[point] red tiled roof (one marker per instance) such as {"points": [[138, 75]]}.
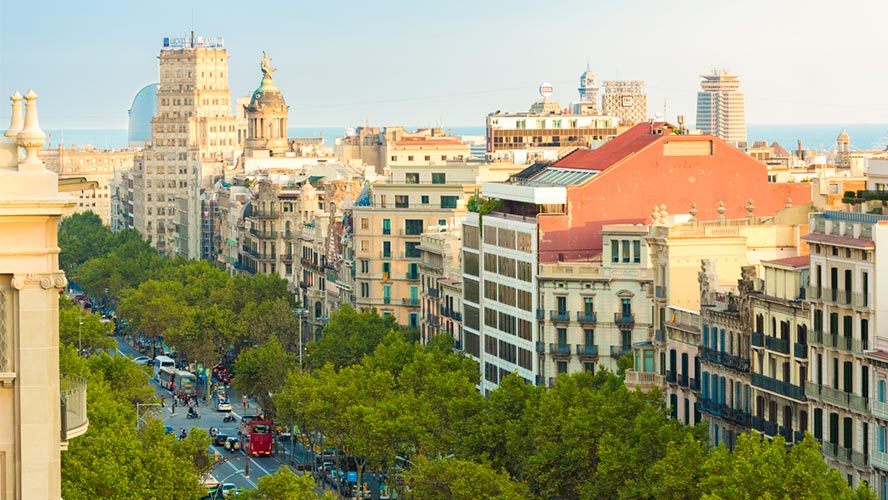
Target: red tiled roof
{"points": [[878, 355], [839, 240], [631, 141], [797, 261]]}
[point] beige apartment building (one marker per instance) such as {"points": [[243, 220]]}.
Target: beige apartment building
{"points": [[193, 137], [41, 409], [394, 146], [441, 285], [95, 166]]}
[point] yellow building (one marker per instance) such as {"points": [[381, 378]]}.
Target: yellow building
{"points": [[95, 166], [34, 426]]}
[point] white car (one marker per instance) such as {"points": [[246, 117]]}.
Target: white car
{"points": [[223, 404], [141, 360], [229, 490]]}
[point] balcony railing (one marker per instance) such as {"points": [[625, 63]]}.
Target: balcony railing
{"points": [[757, 339], [457, 316], [263, 234], [683, 380], [410, 302], [777, 344], [541, 347], [644, 380], [694, 384], [624, 318], [660, 292], [846, 455], [541, 314], [433, 292], [587, 350], [584, 317], [879, 460], [800, 350], [618, 351], [658, 336], [842, 343], [670, 376], [73, 406], [784, 388], [413, 276], [559, 315], [837, 397], [879, 409], [559, 349]]}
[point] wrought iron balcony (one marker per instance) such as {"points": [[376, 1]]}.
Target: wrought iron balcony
{"points": [[837, 397], [410, 302], [784, 388], [618, 351], [758, 339], [694, 384], [777, 344], [683, 380], [559, 315], [433, 292], [800, 350], [879, 409], [541, 347], [670, 376], [584, 317], [624, 318], [541, 314], [559, 349], [587, 350], [879, 460], [659, 336], [72, 391], [842, 343]]}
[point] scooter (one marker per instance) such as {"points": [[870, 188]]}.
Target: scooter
{"points": [[192, 413], [228, 418]]}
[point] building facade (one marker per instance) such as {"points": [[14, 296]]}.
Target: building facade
{"points": [[625, 100]]}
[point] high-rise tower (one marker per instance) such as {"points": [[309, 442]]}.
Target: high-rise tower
{"points": [[720, 107], [193, 136], [588, 89]]}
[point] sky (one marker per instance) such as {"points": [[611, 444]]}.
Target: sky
{"points": [[450, 63]]}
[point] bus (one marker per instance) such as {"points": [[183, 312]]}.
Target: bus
{"points": [[162, 362], [256, 435], [166, 377], [185, 384]]}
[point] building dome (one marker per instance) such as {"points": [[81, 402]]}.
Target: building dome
{"points": [[267, 96], [844, 137], [140, 114]]}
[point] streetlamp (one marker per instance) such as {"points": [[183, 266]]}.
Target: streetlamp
{"points": [[299, 313], [79, 330]]}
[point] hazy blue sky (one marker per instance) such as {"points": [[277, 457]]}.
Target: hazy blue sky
{"points": [[452, 62]]}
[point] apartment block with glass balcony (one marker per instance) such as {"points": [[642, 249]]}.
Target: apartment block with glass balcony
{"points": [[780, 349], [878, 362], [682, 340], [846, 251], [411, 201], [725, 388], [441, 286]]}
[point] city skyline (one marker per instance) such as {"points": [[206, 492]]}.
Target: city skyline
{"points": [[344, 63]]}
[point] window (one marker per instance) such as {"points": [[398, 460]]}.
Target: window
{"points": [[424, 199], [438, 178], [387, 249], [365, 290], [562, 367], [386, 226], [365, 245], [448, 201], [588, 306], [394, 158], [365, 266], [589, 337], [636, 251], [410, 158], [413, 227], [402, 201], [412, 178], [626, 251], [413, 272], [428, 158], [410, 250], [386, 270], [561, 304], [615, 251], [561, 336], [365, 223]]}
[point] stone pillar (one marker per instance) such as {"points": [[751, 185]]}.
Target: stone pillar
{"points": [[30, 209]]}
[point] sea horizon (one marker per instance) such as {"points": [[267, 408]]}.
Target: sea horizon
{"points": [[821, 137]]}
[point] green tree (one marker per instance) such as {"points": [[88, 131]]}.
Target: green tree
{"points": [[798, 473], [262, 372], [82, 237], [205, 334], [78, 327], [154, 308], [452, 478], [348, 337], [271, 318], [285, 485]]}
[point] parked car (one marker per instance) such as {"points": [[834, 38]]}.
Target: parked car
{"points": [[142, 360], [223, 404], [220, 439], [229, 490]]}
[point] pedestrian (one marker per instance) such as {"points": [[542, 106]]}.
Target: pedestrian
{"points": [[162, 399], [174, 406], [245, 402]]}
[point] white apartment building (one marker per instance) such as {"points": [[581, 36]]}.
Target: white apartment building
{"points": [[720, 107]]}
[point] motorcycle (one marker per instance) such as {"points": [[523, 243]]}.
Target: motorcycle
{"points": [[192, 413], [228, 418]]}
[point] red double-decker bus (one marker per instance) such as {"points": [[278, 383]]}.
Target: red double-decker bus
{"points": [[256, 435]]}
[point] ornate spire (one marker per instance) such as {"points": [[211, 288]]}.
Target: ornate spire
{"points": [[15, 122], [30, 136]]}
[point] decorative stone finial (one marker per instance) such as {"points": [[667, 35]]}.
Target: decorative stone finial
{"points": [[788, 203], [655, 215], [663, 212], [721, 210], [693, 211], [750, 208], [15, 122], [30, 136]]}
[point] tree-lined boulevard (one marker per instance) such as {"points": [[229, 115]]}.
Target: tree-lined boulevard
{"points": [[401, 411]]}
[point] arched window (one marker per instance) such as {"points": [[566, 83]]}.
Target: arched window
{"points": [[317, 310]]}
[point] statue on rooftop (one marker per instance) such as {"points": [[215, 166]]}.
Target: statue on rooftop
{"points": [[266, 69]]}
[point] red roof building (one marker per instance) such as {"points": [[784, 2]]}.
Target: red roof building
{"points": [[621, 181]]}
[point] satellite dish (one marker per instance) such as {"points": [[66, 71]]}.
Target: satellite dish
{"points": [[545, 89]]}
